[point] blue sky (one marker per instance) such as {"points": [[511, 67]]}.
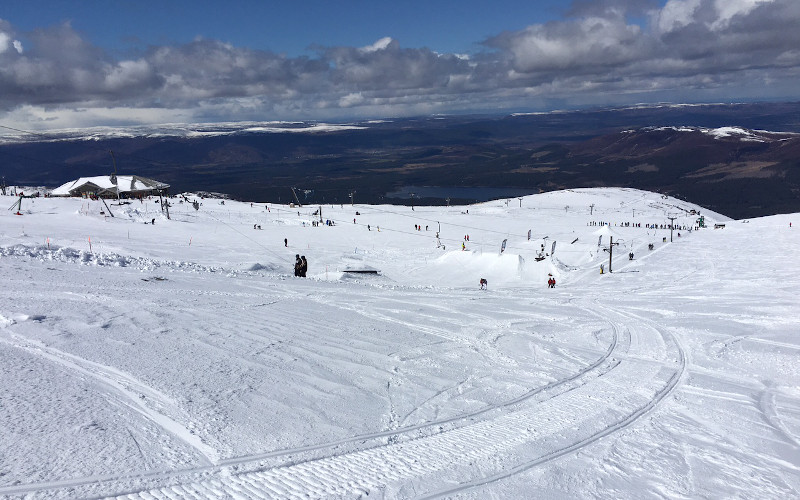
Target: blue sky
{"points": [[286, 27], [85, 63]]}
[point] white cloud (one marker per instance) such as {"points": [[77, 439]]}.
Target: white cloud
{"points": [[6, 43], [715, 15], [127, 73], [676, 14], [728, 9], [381, 44], [585, 42], [352, 99]]}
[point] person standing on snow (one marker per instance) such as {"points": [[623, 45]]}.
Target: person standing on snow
{"points": [[303, 266], [298, 264]]}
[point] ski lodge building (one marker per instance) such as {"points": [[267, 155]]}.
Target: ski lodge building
{"points": [[110, 186]]}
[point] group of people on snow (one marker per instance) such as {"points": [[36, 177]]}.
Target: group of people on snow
{"points": [[300, 266], [682, 227]]}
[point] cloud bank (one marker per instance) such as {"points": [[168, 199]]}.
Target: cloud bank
{"points": [[600, 52]]}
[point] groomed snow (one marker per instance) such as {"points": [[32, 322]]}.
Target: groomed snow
{"points": [[183, 359]]}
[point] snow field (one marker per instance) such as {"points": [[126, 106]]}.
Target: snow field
{"points": [[182, 359]]}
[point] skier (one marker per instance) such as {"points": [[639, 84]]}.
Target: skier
{"points": [[298, 264], [303, 266], [484, 284], [630, 256], [286, 242]]}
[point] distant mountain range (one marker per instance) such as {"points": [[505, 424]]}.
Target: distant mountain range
{"points": [[742, 160]]}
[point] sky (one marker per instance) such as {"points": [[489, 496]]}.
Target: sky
{"points": [[81, 64]]}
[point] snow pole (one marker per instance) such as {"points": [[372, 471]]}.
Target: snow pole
{"points": [[90, 244]]}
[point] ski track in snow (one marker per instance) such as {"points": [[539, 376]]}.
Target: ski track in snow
{"points": [[642, 359], [146, 401], [374, 469]]}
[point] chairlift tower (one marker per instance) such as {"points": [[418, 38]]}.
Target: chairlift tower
{"points": [[114, 178], [671, 218], [610, 251]]}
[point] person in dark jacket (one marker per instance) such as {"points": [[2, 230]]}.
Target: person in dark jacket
{"points": [[303, 266], [298, 265]]}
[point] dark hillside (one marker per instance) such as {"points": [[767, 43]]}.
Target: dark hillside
{"points": [[741, 172]]}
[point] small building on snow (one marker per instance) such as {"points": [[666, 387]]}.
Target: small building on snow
{"points": [[109, 186]]}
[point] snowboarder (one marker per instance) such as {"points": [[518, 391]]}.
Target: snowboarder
{"points": [[484, 284], [286, 242]]}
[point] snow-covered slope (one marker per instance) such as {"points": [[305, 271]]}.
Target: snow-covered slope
{"points": [[183, 359]]}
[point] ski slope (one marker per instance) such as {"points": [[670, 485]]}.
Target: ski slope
{"points": [[183, 359]]}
